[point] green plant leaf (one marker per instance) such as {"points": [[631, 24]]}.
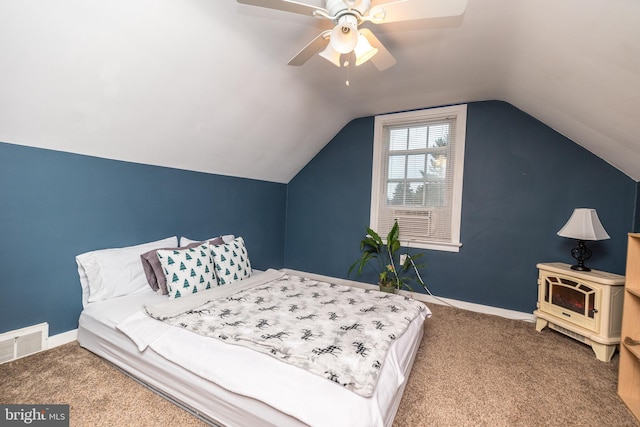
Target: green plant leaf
{"points": [[374, 236], [362, 262], [393, 233], [370, 244], [352, 267]]}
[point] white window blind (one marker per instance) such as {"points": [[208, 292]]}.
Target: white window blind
{"points": [[417, 179]]}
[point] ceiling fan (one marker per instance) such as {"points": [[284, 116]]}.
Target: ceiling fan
{"points": [[347, 15]]}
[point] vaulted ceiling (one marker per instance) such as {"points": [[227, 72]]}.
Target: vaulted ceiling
{"points": [[203, 84]]}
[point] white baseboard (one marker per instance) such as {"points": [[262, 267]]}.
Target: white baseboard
{"points": [[470, 306], [478, 308], [63, 338]]}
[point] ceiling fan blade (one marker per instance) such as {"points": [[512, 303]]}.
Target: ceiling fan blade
{"points": [[406, 10], [315, 46], [286, 6], [383, 59]]}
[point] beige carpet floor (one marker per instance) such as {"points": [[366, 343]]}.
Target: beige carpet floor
{"points": [[471, 370]]}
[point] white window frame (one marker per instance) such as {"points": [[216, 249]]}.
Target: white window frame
{"points": [[380, 159]]}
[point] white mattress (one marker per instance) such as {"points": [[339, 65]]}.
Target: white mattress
{"points": [[294, 396]]}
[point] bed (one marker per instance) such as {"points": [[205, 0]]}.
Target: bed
{"points": [[227, 384]]}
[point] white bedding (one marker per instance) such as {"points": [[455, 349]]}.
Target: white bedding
{"points": [[246, 388]]}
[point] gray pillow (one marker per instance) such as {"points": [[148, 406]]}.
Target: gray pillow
{"points": [[153, 269]]}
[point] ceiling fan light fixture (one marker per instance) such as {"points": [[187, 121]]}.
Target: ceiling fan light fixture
{"points": [[344, 36], [331, 55], [364, 51]]}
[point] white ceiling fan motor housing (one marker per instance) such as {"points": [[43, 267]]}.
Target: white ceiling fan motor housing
{"points": [[356, 8]]}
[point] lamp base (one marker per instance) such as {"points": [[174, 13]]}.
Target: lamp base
{"points": [[581, 253]]}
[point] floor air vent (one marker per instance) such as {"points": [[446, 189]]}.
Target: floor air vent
{"points": [[23, 342]]}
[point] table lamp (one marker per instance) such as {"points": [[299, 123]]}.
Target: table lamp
{"points": [[584, 224]]}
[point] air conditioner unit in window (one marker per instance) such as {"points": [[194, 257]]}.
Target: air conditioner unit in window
{"points": [[416, 224]]}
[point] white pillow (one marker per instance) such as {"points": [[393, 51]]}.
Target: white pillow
{"points": [[231, 261], [188, 271], [225, 238], [110, 273]]}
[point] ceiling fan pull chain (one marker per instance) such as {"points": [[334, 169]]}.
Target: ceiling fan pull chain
{"points": [[347, 64]]}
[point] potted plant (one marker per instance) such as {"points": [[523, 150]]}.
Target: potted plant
{"points": [[394, 271]]}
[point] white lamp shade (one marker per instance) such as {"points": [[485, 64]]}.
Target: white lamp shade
{"points": [[331, 55], [344, 37], [364, 51], [584, 224]]}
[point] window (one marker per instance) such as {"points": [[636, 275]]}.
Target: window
{"points": [[418, 161]]}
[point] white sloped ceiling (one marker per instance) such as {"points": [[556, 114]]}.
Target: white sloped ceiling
{"points": [[203, 84]]}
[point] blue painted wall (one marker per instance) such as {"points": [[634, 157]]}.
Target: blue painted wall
{"points": [[522, 181], [54, 206]]}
